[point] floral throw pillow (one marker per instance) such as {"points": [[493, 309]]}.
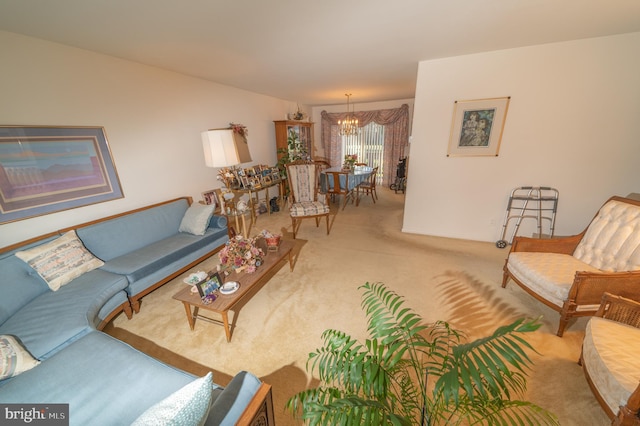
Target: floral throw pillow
{"points": [[61, 260], [14, 359]]}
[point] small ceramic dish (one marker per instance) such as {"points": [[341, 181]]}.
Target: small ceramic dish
{"points": [[229, 287], [195, 278]]}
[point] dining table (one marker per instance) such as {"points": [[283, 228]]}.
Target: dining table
{"points": [[353, 177]]}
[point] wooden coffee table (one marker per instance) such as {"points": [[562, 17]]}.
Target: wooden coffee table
{"points": [[249, 285]]}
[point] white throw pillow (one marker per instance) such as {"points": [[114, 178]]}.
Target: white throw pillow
{"points": [[61, 260], [187, 406], [196, 218], [14, 358]]}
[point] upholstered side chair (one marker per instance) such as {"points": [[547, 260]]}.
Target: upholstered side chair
{"points": [[305, 198]]}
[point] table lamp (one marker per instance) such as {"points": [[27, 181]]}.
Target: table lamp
{"points": [[224, 148]]}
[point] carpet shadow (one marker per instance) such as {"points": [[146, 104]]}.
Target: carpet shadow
{"points": [[474, 306], [286, 382]]}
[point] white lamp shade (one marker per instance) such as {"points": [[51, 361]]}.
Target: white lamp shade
{"points": [[224, 148]]}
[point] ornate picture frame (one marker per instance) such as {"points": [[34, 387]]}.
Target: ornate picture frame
{"points": [[477, 126], [49, 169], [211, 198]]}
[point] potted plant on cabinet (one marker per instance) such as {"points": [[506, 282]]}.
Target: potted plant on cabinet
{"points": [[295, 151], [408, 373]]}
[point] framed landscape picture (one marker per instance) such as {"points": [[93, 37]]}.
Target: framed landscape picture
{"points": [[477, 125], [49, 169]]}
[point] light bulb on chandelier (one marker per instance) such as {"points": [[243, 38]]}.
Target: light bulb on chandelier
{"points": [[348, 126]]}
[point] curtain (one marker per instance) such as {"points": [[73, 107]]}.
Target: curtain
{"points": [[396, 135]]}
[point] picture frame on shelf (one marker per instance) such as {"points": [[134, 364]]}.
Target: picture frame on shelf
{"points": [[275, 174], [211, 198], [477, 127], [245, 182]]}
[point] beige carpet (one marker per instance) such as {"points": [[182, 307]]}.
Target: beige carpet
{"points": [[455, 280]]}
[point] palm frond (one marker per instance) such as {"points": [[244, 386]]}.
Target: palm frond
{"points": [[488, 366], [384, 381]]}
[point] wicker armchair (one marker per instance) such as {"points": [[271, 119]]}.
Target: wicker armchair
{"points": [[571, 274], [609, 357]]}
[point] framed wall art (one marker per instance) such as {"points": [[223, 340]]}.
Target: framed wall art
{"points": [[477, 125], [49, 169]]}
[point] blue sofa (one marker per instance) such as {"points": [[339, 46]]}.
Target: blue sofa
{"points": [[54, 318]]}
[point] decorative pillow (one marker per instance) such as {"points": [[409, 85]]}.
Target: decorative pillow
{"points": [[187, 406], [14, 358], [218, 222], [196, 218], [61, 260]]}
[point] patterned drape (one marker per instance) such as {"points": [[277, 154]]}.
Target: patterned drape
{"points": [[396, 135]]}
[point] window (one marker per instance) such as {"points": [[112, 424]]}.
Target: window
{"points": [[368, 145]]}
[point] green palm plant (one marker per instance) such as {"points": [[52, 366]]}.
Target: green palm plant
{"points": [[409, 373]]}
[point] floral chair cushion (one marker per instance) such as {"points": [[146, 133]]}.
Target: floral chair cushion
{"points": [[308, 208]]}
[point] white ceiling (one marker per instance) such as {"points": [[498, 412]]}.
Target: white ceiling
{"points": [[312, 52]]}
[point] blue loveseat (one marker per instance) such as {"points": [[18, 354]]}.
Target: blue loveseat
{"points": [[50, 320]]}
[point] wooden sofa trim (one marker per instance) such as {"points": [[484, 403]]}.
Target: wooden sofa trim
{"points": [[588, 287], [625, 311], [259, 412]]}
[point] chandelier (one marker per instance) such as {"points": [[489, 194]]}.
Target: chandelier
{"points": [[348, 126]]}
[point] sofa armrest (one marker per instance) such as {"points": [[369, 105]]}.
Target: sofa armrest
{"points": [[564, 245], [620, 309], [244, 401], [588, 287]]}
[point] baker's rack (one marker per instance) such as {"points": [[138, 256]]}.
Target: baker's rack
{"points": [[530, 202]]}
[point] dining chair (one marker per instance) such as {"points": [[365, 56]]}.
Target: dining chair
{"points": [[306, 200], [323, 164], [338, 185], [368, 187]]}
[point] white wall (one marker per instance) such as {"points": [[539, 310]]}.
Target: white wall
{"points": [[571, 125], [153, 119]]}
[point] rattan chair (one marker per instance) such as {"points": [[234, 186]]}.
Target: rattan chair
{"points": [[571, 274], [306, 200], [600, 362]]}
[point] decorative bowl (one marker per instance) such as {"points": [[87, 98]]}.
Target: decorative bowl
{"points": [[273, 241]]}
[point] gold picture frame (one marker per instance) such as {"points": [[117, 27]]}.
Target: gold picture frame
{"points": [[477, 127]]}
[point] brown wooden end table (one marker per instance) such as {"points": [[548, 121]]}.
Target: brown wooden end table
{"points": [[249, 285]]}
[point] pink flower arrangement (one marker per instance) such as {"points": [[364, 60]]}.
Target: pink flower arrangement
{"points": [[349, 161], [240, 254], [240, 129]]}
